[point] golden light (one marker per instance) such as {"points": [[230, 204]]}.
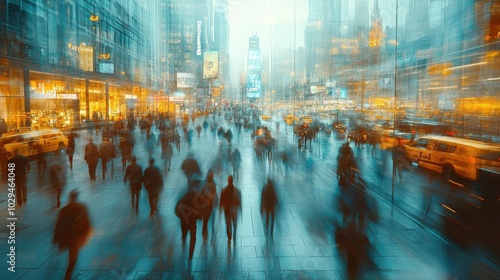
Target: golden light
{"points": [[94, 18]]}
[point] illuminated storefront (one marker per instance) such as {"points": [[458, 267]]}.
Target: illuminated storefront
{"points": [[12, 98]]}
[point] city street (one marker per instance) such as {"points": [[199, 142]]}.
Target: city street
{"points": [[405, 241]]}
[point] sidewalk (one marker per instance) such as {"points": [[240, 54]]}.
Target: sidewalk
{"points": [[126, 246]]}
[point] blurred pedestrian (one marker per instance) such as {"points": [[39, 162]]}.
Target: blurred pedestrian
{"points": [[57, 179], [210, 193], [126, 146], [191, 168], [166, 154], [150, 144], [236, 160], [107, 152], [353, 245], [92, 158], [21, 170], [198, 129], [153, 182], [70, 149], [133, 174], [3, 162], [73, 230], [398, 159], [189, 209], [230, 202], [268, 205]]}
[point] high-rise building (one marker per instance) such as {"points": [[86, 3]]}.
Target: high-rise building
{"points": [[254, 75], [62, 62]]}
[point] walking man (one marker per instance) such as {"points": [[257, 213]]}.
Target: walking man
{"points": [[57, 179], [73, 230], [21, 170], [153, 182], [230, 202], [107, 153], [92, 158], [134, 175], [269, 203]]}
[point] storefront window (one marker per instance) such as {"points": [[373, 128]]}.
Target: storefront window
{"points": [[118, 97], [53, 102], [12, 99], [97, 101]]}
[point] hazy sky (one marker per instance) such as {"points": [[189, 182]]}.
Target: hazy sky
{"points": [[247, 18], [274, 22]]}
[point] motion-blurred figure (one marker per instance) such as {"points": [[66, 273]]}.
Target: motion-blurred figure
{"points": [[230, 202], [133, 174], [107, 152], [153, 182], [92, 158], [353, 245], [190, 167], [166, 154], [21, 170], [189, 209], [268, 205], [70, 149], [57, 179], [210, 192], [236, 160], [73, 230]]}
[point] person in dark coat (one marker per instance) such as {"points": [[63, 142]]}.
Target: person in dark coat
{"points": [[230, 202], [92, 158], [189, 209], [70, 149], [209, 192], [73, 230], [21, 170], [107, 152], [153, 182], [268, 204], [133, 174]]}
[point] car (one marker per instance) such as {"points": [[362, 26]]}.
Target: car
{"points": [[453, 156], [33, 143], [391, 138]]}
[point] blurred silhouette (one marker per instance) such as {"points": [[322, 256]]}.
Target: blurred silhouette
{"points": [[133, 174], [353, 244], [210, 192], [189, 209], [236, 160], [126, 147], [153, 182], [398, 159], [230, 202], [73, 230], [21, 170], [57, 178], [107, 152], [92, 158], [166, 154], [268, 205], [70, 149], [346, 164], [190, 167]]}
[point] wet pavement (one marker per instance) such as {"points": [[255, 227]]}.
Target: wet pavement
{"points": [[129, 246]]}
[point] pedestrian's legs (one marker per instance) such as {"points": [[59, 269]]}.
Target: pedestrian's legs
{"points": [[272, 223], [73, 257], [104, 168], [19, 194], [184, 230], [228, 227], [58, 197], [70, 160], [267, 222], [136, 194], [235, 223], [151, 205], [24, 191], [192, 238]]}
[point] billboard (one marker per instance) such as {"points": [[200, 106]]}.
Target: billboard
{"points": [[254, 85], [253, 61], [210, 65], [185, 80]]}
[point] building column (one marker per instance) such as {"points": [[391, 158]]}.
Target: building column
{"points": [[106, 91], [87, 101], [27, 102]]}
